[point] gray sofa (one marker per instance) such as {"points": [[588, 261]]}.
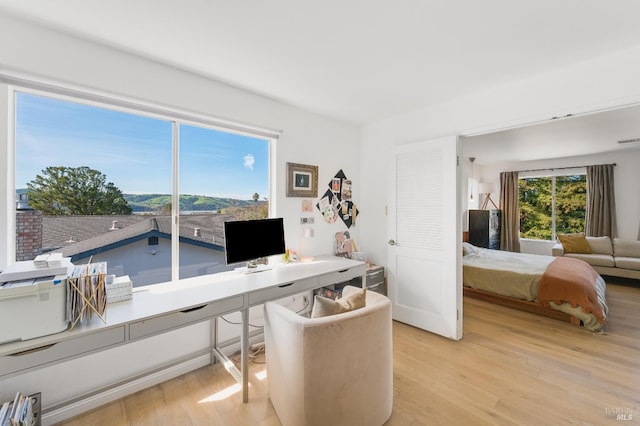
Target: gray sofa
{"points": [[620, 258]]}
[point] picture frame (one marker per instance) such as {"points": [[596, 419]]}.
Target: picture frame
{"points": [[302, 180]]}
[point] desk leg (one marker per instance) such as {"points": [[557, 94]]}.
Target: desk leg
{"points": [[244, 363], [214, 339]]}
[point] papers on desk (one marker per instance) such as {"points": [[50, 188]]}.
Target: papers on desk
{"points": [[119, 289], [20, 411], [14, 284], [28, 269], [29, 286], [49, 260]]}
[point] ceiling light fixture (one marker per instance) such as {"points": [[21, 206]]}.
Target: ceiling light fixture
{"points": [[471, 160], [558, 117], [629, 140]]}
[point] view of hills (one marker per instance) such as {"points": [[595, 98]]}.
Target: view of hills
{"points": [[155, 202]]}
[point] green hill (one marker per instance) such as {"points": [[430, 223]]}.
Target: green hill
{"points": [[155, 202]]}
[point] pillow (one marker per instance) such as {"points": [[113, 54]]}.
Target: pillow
{"points": [[324, 307], [468, 248], [626, 248], [600, 245], [575, 243]]}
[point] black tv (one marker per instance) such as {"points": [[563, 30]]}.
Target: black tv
{"points": [[250, 240]]}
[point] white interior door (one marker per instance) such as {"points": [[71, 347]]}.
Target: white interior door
{"points": [[424, 270]]}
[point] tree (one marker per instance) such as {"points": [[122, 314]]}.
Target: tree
{"points": [[62, 190], [571, 203], [166, 209], [537, 209], [259, 210]]}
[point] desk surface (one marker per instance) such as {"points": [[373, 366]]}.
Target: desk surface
{"points": [[174, 296]]}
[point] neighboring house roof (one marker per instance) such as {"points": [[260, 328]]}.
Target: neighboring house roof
{"points": [[205, 230], [62, 231]]}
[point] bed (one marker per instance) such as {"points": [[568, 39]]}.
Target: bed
{"points": [[530, 282]]}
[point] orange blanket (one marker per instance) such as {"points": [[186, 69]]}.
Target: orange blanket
{"points": [[573, 281]]}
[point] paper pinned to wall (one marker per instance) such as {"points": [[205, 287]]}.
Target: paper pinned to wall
{"points": [[337, 201]]}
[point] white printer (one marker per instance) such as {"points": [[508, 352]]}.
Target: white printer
{"points": [[34, 306]]}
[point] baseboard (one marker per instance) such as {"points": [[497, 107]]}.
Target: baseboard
{"points": [[68, 410]]}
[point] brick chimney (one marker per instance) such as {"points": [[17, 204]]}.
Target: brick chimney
{"points": [[28, 231]]}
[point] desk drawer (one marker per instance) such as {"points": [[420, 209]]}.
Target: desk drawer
{"points": [[62, 350], [342, 276], [375, 276], [179, 319], [273, 293]]}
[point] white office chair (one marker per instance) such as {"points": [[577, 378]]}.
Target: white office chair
{"points": [[334, 370]]}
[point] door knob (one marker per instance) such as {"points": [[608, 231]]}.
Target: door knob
{"points": [[392, 242]]}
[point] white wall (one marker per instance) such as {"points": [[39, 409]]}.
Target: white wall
{"points": [[307, 138], [600, 83]]}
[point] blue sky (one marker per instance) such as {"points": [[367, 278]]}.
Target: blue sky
{"points": [[134, 152]]}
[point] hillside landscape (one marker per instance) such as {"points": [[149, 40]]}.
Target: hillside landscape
{"points": [[141, 203], [156, 202]]}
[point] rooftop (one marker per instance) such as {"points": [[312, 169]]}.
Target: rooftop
{"points": [[77, 235]]}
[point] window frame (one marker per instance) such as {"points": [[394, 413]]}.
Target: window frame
{"points": [[176, 116]]}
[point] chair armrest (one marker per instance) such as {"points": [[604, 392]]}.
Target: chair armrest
{"points": [[557, 250]]}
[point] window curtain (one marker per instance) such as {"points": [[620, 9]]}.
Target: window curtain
{"points": [[510, 226], [601, 202]]}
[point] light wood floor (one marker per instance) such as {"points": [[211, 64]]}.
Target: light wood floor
{"points": [[510, 368]]}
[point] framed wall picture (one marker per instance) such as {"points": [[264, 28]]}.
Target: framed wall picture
{"points": [[302, 180]]}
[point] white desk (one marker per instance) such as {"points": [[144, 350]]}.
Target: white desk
{"points": [[162, 307]]}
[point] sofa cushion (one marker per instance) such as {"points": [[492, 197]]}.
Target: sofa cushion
{"points": [[600, 245], [628, 263], [323, 307], [594, 259], [575, 243], [626, 248]]}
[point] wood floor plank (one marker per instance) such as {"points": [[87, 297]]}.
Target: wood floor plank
{"points": [[511, 367]]}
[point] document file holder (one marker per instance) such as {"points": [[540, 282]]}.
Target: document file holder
{"points": [[87, 294]]}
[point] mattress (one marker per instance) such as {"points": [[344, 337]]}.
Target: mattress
{"points": [[506, 273], [517, 275]]}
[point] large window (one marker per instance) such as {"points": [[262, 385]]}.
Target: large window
{"points": [[551, 205], [146, 192]]}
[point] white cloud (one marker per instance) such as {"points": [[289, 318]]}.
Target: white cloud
{"points": [[249, 160]]}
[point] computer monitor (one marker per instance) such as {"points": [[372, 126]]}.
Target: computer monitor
{"points": [[249, 240]]}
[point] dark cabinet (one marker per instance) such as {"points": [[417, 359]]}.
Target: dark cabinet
{"points": [[374, 281], [484, 228]]}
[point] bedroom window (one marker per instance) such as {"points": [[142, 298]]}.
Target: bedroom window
{"points": [[551, 205], [100, 181]]}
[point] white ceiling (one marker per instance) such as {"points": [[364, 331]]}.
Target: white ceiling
{"points": [[355, 60], [587, 134], [363, 60]]}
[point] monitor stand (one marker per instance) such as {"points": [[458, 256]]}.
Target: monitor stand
{"points": [[253, 267]]}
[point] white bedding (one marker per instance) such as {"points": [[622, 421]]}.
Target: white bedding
{"points": [[517, 275], [503, 272]]}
